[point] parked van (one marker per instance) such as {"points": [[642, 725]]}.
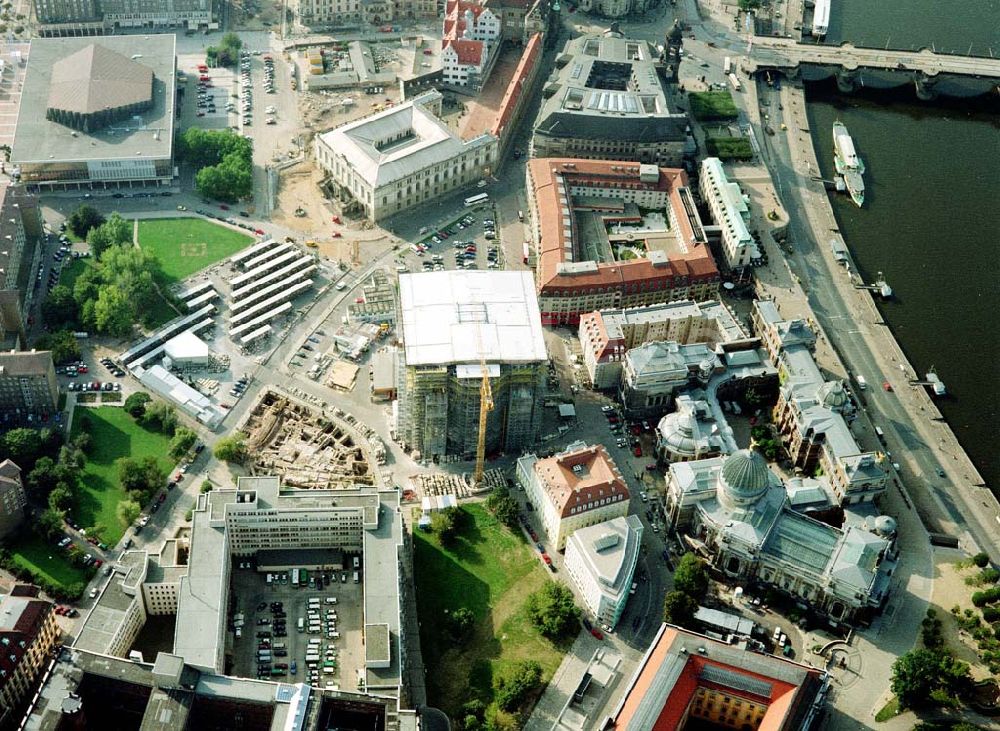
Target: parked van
{"points": [[357, 577], [880, 433], [520, 215], [269, 579], [302, 624], [357, 563], [331, 600], [315, 641], [278, 646]]}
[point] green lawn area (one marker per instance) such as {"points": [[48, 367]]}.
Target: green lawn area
{"points": [[490, 570], [73, 269], [187, 245], [51, 562], [712, 105], [729, 148], [113, 434]]}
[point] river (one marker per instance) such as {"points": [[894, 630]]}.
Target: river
{"points": [[931, 221]]}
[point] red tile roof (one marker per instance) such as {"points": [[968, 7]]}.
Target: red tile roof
{"points": [[596, 478], [512, 96], [470, 53]]}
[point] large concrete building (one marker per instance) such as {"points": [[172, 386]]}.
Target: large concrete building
{"points": [[578, 487], [97, 113], [613, 235], [452, 323], [759, 530], [12, 498], [601, 561], [689, 680], [813, 415], [28, 633], [730, 215], [399, 158], [605, 101], [607, 335], [316, 14], [28, 386], [97, 17], [21, 237]]}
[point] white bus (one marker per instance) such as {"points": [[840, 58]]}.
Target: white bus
{"points": [[477, 200], [295, 577], [735, 82], [727, 66]]}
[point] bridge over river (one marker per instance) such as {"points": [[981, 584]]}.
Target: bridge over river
{"points": [[931, 73]]}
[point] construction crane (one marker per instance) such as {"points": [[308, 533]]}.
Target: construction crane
{"points": [[485, 407]]}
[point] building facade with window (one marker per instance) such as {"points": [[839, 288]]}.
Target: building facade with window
{"points": [[730, 214], [399, 158], [578, 487], [601, 561], [28, 386], [12, 498], [28, 634], [96, 17]]}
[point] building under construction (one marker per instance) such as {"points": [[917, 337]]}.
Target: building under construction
{"points": [[459, 328]]}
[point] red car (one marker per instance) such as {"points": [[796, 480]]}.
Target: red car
{"points": [[259, 231], [162, 498], [637, 451], [597, 633], [336, 219], [337, 234], [886, 385], [82, 369], [204, 77], [546, 558], [98, 563]]}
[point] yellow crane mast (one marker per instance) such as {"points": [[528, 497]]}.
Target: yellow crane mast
{"points": [[485, 407]]}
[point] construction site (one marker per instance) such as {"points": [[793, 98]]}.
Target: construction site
{"points": [[473, 364], [308, 449]]}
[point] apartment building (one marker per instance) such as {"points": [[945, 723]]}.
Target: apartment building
{"points": [[605, 100], [28, 634], [28, 386], [453, 324], [585, 216], [730, 214], [601, 561], [578, 487], [21, 236], [309, 14], [396, 159], [12, 498], [96, 17]]}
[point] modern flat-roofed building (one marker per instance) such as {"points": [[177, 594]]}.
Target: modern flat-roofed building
{"points": [[28, 632], [686, 677], [730, 214], [613, 235], [601, 560], [578, 487], [21, 236], [401, 157], [605, 100], [28, 385], [97, 112], [96, 17], [12, 498], [607, 335], [451, 324]]}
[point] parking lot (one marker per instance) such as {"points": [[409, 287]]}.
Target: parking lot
{"points": [[340, 658], [467, 239]]}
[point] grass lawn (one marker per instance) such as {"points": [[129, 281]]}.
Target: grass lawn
{"points": [[73, 269], [729, 148], [889, 711], [187, 245], [51, 562], [113, 434], [490, 570], [712, 105]]}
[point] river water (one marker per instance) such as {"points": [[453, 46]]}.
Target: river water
{"points": [[931, 221]]}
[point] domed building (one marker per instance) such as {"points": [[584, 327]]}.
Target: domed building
{"points": [[692, 432], [738, 512]]}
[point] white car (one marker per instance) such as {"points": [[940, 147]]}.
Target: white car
{"points": [[94, 592], [606, 409]]}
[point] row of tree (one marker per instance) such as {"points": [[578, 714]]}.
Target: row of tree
{"points": [[690, 588], [223, 160]]}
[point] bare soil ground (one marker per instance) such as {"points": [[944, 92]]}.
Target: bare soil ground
{"points": [[950, 589]]}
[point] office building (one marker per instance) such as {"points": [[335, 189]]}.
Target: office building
{"points": [[686, 679], [316, 14], [453, 325], [85, 689], [578, 487], [730, 215], [96, 113], [401, 157], [21, 237], [28, 386], [611, 235], [97, 17], [601, 561], [28, 633], [12, 498], [607, 335], [760, 530], [813, 415], [605, 100]]}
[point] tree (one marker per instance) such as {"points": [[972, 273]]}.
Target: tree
{"points": [[514, 683], [63, 344], [116, 231], [83, 219], [231, 449], [161, 416], [503, 507], [43, 477], [113, 312], [460, 623], [691, 577], [128, 511], [553, 611], [444, 524], [61, 497], [183, 440], [135, 404], [49, 524], [679, 608], [923, 678], [59, 309], [22, 445], [143, 476]]}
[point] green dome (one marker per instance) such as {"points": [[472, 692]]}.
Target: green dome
{"points": [[745, 475]]}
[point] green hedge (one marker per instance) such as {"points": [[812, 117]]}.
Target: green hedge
{"points": [[708, 106], [729, 148]]}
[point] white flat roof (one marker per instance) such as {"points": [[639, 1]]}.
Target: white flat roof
{"points": [[465, 316], [185, 345]]}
